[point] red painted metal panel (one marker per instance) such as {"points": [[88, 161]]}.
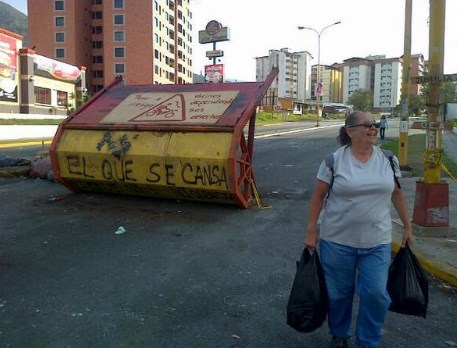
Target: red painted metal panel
{"points": [[431, 206]]}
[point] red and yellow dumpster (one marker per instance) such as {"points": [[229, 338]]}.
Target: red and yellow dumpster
{"points": [[168, 141]]}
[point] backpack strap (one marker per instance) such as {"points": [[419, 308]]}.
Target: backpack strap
{"points": [[329, 160], [389, 154]]}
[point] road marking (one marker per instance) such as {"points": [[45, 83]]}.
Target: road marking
{"points": [[295, 131], [25, 143]]}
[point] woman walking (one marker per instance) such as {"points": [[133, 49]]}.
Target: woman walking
{"points": [[355, 231]]}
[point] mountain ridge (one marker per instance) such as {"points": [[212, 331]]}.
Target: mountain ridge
{"points": [[15, 21]]}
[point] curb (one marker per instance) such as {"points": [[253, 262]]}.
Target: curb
{"points": [[24, 142], [430, 264], [435, 267]]}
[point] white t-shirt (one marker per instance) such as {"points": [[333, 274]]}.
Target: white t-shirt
{"points": [[357, 211]]}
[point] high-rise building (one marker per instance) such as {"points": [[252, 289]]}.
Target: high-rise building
{"points": [[292, 87], [418, 68], [381, 76], [331, 80], [145, 41]]}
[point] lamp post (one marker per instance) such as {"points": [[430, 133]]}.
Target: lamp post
{"points": [[318, 89]]}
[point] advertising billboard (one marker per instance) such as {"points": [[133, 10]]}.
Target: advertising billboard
{"points": [[214, 73], [51, 68], [8, 69]]}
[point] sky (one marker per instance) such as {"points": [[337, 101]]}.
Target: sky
{"points": [[368, 27]]}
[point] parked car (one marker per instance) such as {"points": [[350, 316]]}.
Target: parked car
{"points": [[336, 110]]}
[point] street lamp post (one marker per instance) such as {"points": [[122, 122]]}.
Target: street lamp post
{"points": [[318, 89]]}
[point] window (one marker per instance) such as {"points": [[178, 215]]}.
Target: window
{"points": [[60, 37], [60, 52], [118, 19], [97, 59], [119, 68], [119, 35], [97, 30], [97, 73], [62, 98], [60, 21], [97, 44], [119, 52], [96, 2], [97, 15], [42, 96], [118, 3], [58, 6]]}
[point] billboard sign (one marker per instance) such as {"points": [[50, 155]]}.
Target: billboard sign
{"points": [[55, 69], [8, 69], [318, 89], [214, 32], [214, 73]]}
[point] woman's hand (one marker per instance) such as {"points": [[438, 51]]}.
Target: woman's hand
{"points": [[311, 238], [408, 237]]}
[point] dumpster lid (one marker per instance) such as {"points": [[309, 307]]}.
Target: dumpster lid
{"points": [[219, 105]]}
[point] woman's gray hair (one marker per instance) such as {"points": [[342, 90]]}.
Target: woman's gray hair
{"points": [[352, 119]]}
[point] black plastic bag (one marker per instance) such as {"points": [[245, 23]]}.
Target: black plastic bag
{"points": [[308, 301], [407, 284]]}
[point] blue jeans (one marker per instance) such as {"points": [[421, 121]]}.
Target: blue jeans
{"points": [[347, 270]]}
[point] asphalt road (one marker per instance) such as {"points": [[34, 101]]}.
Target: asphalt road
{"points": [[184, 274]]}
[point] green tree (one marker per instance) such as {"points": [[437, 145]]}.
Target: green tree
{"points": [[416, 105], [448, 92], [361, 100]]}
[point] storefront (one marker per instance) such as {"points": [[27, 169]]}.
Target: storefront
{"points": [[34, 84]]}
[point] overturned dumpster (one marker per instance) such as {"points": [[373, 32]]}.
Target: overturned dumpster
{"points": [[168, 141]]}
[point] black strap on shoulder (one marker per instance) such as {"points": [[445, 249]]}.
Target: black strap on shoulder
{"points": [[330, 159], [389, 154]]}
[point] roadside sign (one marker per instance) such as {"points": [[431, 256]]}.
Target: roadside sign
{"points": [[434, 79], [426, 125], [214, 54], [222, 35]]}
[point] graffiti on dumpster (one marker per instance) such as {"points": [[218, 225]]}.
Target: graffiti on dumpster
{"points": [[117, 147], [187, 107], [211, 175]]}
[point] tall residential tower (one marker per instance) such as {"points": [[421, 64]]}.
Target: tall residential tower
{"points": [[145, 41]]}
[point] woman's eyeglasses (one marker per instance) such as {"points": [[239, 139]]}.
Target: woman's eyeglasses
{"points": [[365, 124]]}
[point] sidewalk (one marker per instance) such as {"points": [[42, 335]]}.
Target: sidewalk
{"points": [[22, 132], [437, 254]]}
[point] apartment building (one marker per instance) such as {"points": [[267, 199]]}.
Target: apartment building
{"points": [[418, 68], [145, 41], [293, 83], [387, 83], [331, 78], [381, 76], [357, 75]]}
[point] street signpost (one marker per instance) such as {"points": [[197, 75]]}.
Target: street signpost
{"points": [[214, 32]]}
